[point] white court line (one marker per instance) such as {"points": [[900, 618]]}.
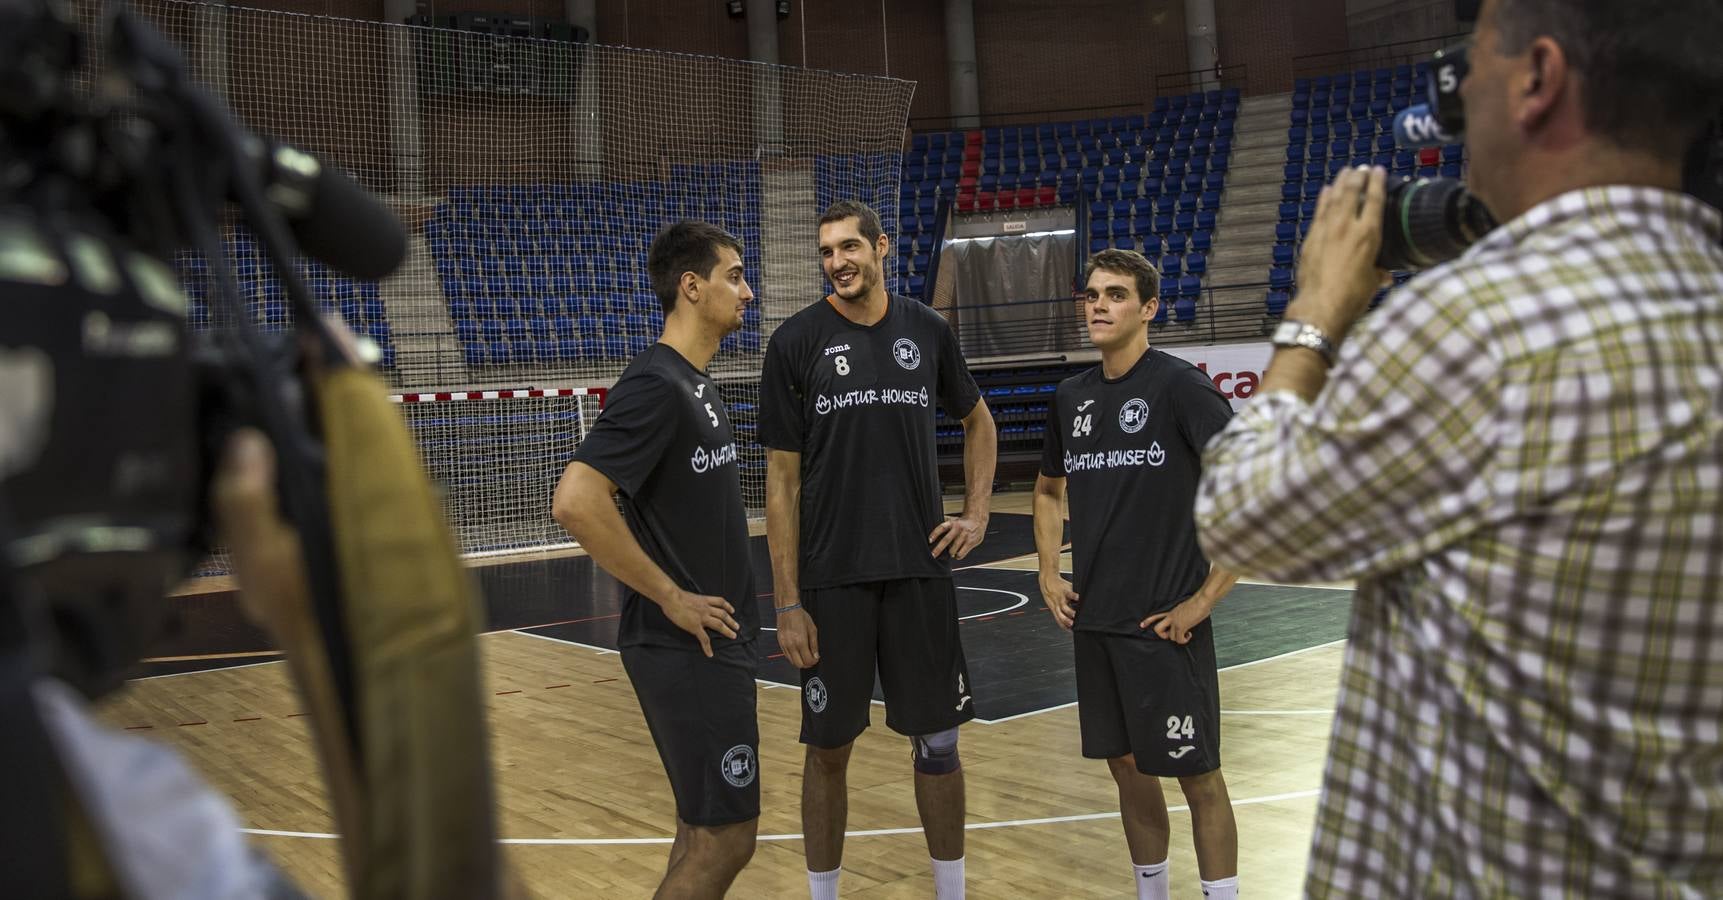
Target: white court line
{"points": [[1299, 652], [1022, 600], [1243, 665], [267, 662], [603, 652], [872, 832]]}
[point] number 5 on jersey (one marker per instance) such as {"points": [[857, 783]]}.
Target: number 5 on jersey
{"points": [[712, 415]]}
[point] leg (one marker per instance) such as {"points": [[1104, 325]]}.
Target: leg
{"points": [[1143, 808], [825, 805], [927, 695], [679, 847], [713, 857], [1212, 825], [939, 793], [837, 693]]}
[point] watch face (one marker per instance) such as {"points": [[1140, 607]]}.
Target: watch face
{"points": [[1285, 333]]}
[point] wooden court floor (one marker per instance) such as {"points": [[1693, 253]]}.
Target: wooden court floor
{"points": [[587, 811]]}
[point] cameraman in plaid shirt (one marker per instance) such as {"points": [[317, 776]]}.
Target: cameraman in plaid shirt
{"points": [[1520, 459]]}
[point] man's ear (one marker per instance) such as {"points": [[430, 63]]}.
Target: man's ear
{"points": [[689, 285], [1542, 85]]}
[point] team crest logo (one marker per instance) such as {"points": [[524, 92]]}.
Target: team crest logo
{"points": [[815, 693], [738, 766], [701, 461], [1134, 415], [906, 353], [1156, 454], [822, 404]]}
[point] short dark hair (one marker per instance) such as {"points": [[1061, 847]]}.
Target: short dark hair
{"points": [[685, 246], [1652, 70], [868, 222], [1127, 262]]}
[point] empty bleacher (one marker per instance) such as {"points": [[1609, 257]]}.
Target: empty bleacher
{"points": [[1154, 183]]}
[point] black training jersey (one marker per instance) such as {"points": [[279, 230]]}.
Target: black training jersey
{"points": [[665, 440], [1130, 450], [858, 404]]}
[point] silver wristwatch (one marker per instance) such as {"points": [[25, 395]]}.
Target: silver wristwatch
{"points": [[1306, 335]]}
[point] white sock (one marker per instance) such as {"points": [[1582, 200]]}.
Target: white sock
{"points": [[824, 885], [948, 878], [1221, 889], [1151, 881]]}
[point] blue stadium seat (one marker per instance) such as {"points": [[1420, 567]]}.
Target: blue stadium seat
{"points": [[1280, 278], [1196, 263], [1277, 302], [1171, 265], [1283, 254], [1285, 232], [1185, 310], [1202, 241], [1175, 242]]}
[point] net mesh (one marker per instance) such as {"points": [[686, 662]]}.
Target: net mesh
{"points": [[533, 173]]}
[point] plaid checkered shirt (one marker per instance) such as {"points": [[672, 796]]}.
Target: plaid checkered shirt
{"points": [[1519, 457]]}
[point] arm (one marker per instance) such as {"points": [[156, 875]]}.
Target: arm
{"points": [[796, 632], [1175, 624], [585, 506], [1049, 508], [1333, 475], [980, 458]]}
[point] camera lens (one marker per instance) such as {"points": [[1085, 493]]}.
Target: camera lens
{"points": [[1429, 221]]}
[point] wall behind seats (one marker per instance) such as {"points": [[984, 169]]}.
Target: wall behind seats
{"points": [[1268, 35], [1035, 55]]}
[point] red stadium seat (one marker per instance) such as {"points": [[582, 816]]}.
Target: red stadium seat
{"points": [[1026, 198], [984, 201], [1429, 156], [1005, 200]]}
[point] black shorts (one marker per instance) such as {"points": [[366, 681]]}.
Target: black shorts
{"points": [[702, 716], [907, 629], [1150, 697]]}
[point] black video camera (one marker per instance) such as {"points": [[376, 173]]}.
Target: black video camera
{"points": [[1428, 221], [118, 411]]}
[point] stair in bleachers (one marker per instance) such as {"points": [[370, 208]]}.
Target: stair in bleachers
{"points": [[428, 352], [1244, 238]]}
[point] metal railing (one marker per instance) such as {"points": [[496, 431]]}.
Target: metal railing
{"points": [[1372, 57], [1230, 75]]}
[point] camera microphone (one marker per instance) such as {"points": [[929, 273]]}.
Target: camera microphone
{"points": [[333, 219]]}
